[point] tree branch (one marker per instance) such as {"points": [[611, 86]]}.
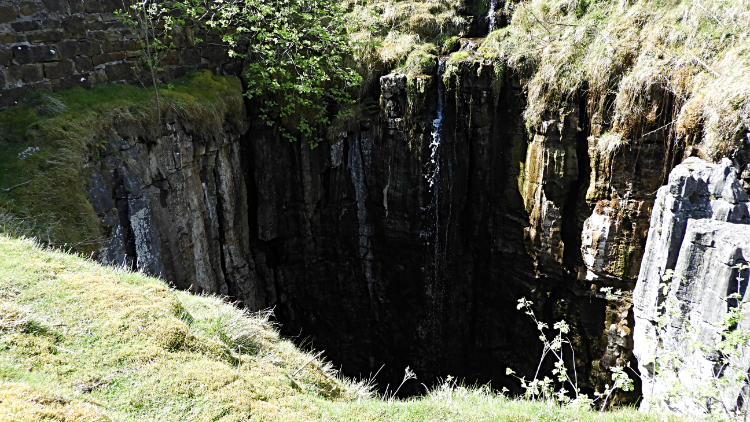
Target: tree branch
{"points": [[16, 186]]}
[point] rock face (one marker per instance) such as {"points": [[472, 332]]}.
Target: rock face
{"points": [[175, 204], [700, 230], [380, 267], [388, 247], [407, 240]]}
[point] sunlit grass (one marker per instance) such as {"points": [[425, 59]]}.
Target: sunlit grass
{"points": [[83, 342]]}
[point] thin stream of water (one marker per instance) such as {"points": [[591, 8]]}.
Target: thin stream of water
{"points": [[491, 16], [433, 179]]}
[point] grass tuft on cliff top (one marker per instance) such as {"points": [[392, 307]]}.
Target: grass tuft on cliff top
{"points": [[47, 139], [83, 342], [631, 58], [385, 34]]}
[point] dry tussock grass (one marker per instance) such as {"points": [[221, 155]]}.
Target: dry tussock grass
{"points": [[20, 402], [632, 57], [384, 32]]}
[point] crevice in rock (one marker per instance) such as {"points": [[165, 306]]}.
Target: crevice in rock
{"points": [[575, 209]]}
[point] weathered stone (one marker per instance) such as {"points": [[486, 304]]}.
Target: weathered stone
{"points": [[27, 73], [108, 58], [102, 6], [6, 39], [76, 6], [73, 27], [154, 225], [28, 8], [550, 172], [26, 26], [170, 58], [6, 56], [119, 72], [44, 36], [190, 56], [215, 54], [114, 46], [59, 69], [34, 54], [612, 239], [55, 6], [82, 80], [700, 228], [83, 64], [90, 48], [67, 49], [98, 77], [7, 13], [11, 96]]}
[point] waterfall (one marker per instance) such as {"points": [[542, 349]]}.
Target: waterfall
{"points": [[434, 180], [433, 174], [491, 16], [430, 328]]}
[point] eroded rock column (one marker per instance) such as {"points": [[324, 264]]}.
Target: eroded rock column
{"points": [[699, 233]]}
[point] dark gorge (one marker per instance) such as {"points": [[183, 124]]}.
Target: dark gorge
{"points": [[402, 243]]}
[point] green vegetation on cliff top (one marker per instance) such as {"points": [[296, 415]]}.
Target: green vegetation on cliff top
{"points": [[83, 342], [46, 141], [630, 59]]}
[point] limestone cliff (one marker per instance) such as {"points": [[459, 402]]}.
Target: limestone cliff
{"points": [[700, 230], [427, 222], [174, 204]]}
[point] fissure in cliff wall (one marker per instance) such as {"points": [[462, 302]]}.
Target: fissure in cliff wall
{"points": [[51, 45]]}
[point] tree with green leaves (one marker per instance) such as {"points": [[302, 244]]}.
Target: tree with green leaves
{"points": [[295, 54]]}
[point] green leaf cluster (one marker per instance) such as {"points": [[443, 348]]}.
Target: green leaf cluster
{"points": [[295, 56]]}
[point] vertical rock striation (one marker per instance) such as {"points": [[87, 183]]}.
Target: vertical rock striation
{"points": [[700, 230], [174, 204], [380, 264]]}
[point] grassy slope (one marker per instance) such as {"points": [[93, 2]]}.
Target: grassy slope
{"points": [[73, 126], [83, 342]]}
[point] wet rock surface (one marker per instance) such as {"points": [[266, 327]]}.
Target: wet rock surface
{"points": [[371, 263]]}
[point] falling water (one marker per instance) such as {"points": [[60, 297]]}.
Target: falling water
{"points": [[430, 328], [433, 174], [491, 16], [433, 179]]}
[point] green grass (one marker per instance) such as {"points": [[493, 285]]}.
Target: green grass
{"points": [[83, 342], [403, 35], [73, 127]]}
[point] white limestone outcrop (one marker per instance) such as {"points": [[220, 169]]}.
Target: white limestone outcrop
{"points": [[700, 229]]}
